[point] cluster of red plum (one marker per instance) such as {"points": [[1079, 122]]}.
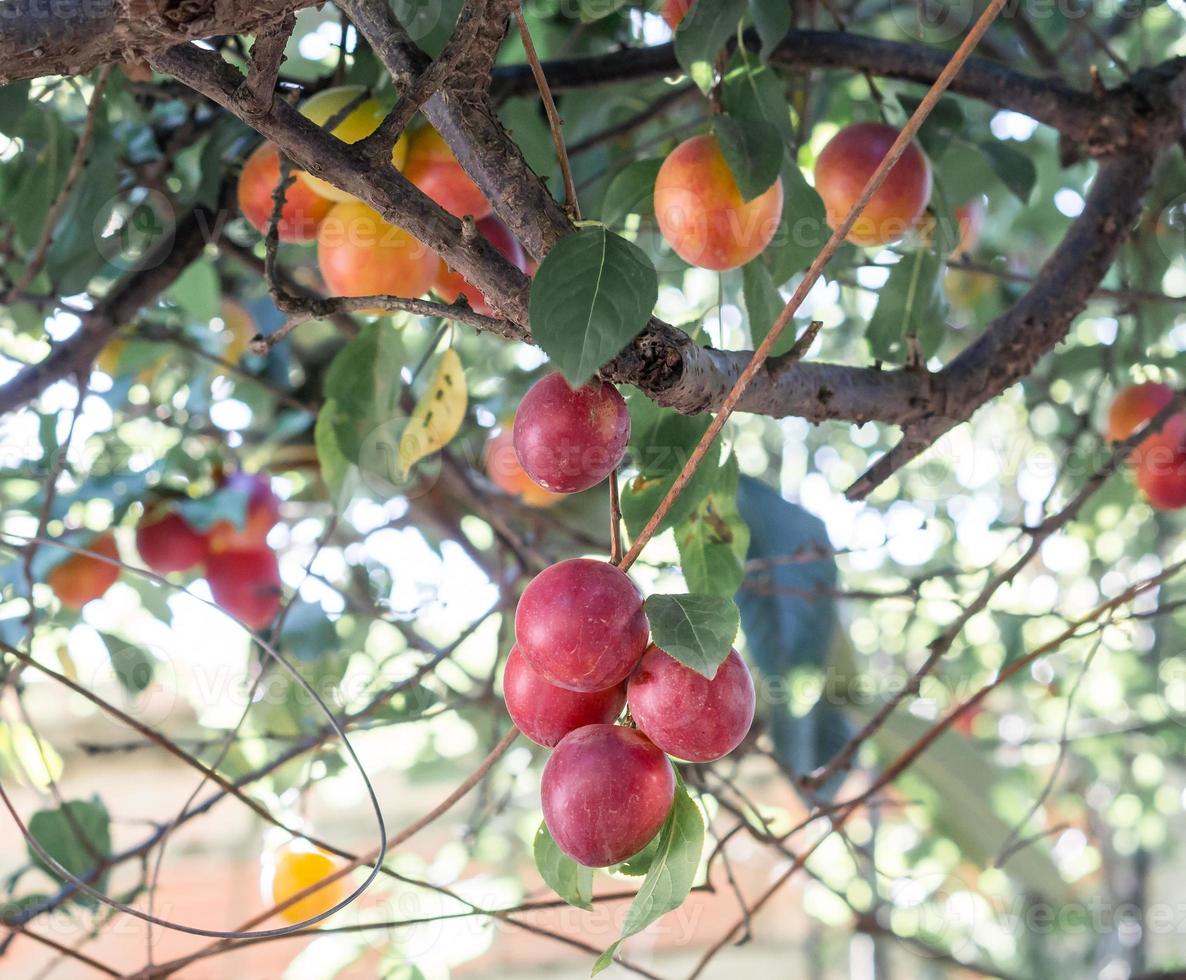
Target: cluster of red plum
{"points": [[582, 653], [241, 569]]}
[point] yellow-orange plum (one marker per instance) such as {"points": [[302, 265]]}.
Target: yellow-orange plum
{"points": [[702, 214], [359, 123]]}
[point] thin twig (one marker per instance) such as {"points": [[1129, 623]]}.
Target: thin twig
{"points": [[555, 123]]}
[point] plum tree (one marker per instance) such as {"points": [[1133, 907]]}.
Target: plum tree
{"points": [[570, 439], [686, 714], [843, 169], [295, 867], [776, 486], [580, 623], [546, 713], [506, 472], [168, 543], [433, 168], [304, 208], [80, 578], [361, 120], [606, 791], [702, 213], [246, 583], [360, 254]]}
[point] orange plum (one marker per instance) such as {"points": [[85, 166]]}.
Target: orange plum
{"points": [[81, 578], [296, 867], [434, 169], [360, 254], [507, 473], [1135, 405], [303, 206], [701, 212], [674, 11]]}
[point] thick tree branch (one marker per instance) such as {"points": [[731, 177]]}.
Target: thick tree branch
{"points": [[70, 37]]}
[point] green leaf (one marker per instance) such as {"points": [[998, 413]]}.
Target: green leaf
{"points": [[134, 668], [671, 874], [754, 151], [661, 440], [763, 303], [773, 20], [335, 467], [76, 835], [40, 174], [197, 291], [760, 93], [632, 191], [364, 383], [910, 304], [802, 229], [713, 540], [788, 613], [571, 881], [14, 101], [698, 630], [701, 35], [941, 129], [592, 295], [1014, 169], [595, 10]]}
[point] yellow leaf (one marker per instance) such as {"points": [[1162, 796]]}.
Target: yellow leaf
{"points": [[438, 414]]}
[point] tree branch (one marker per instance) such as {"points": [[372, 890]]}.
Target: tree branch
{"points": [[70, 37]]}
